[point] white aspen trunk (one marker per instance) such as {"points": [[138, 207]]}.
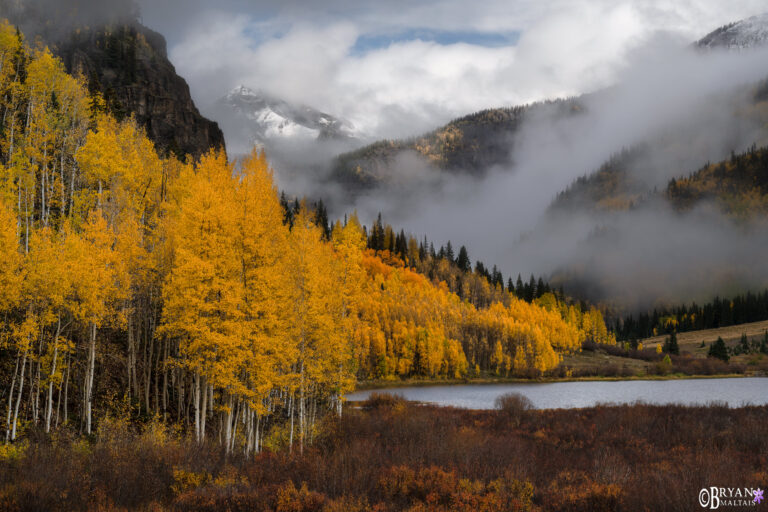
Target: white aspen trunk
{"points": [[233, 438], [66, 390], [63, 186], [197, 406], [43, 182], [49, 406], [148, 372], [165, 380], [58, 406], [228, 425], [89, 380], [302, 412], [204, 412], [34, 390], [10, 401], [18, 397], [258, 425], [290, 411]]}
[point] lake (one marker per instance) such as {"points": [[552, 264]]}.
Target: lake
{"points": [[566, 395]]}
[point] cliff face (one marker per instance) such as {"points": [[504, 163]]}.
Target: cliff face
{"points": [[128, 64]]}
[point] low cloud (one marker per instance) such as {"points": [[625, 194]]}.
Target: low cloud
{"points": [[303, 52]]}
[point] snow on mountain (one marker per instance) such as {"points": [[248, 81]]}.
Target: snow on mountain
{"points": [[271, 118], [748, 33]]}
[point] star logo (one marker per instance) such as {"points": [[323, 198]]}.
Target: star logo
{"points": [[758, 496]]}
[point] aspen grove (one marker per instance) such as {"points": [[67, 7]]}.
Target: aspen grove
{"points": [[176, 289]]}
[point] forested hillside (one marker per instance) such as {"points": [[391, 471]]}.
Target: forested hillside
{"points": [[626, 179], [738, 185], [471, 144], [720, 312], [133, 281], [613, 187]]}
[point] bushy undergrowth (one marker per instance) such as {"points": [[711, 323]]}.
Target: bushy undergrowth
{"points": [[392, 456]]}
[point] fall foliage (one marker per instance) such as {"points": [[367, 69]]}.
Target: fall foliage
{"points": [[181, 290]]}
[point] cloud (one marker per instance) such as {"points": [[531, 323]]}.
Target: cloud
{"points": [[636, 52], [306, 52]]}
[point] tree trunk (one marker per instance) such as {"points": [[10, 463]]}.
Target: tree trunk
{"points": [[197, 407], [10, 400], [204, 412], [90, 370], [18, 397], [49, 406]]}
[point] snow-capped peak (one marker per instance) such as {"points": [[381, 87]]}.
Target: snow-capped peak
{"points": [[748, 33], [273, 118]]}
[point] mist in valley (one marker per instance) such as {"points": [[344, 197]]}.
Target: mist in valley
{"points": [[689, 107]]}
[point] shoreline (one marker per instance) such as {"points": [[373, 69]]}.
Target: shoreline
{"points": [[407, 383]]}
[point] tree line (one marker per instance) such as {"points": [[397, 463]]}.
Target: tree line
{"points": [[720, 312]]}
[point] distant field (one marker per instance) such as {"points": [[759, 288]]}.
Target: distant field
{"points": [[583, 360], [691, 341], [603, 364]]}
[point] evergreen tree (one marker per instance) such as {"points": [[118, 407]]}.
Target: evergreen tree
{"points": [[463, 262], [287, 211], [745, 343], [719, 350], [321, 219], [670, 344], [449, 252]]}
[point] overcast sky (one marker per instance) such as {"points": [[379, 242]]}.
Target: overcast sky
{"points": [[396, 68]]}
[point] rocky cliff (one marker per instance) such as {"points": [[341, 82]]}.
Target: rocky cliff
{"points": [[123, 60], [128, 64]]}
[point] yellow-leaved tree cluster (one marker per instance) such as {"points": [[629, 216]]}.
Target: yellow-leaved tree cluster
{"points": [[127, 277]]}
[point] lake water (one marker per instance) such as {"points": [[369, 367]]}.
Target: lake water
{"points": [[566, 395]]}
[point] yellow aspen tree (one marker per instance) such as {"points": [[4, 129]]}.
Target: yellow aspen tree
{"points": [[261, 246], [11, 279], [100, 285], [349, 243], [203, 293], [317, 308]]}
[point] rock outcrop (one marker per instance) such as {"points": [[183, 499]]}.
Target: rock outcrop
{"points": [[128, 64]]}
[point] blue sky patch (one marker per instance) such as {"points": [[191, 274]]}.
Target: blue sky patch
{"points": [[367, 43]]}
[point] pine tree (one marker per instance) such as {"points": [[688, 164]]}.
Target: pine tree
{"points": [[449, 252], [670, 344], [463, 261], [719, 350]]}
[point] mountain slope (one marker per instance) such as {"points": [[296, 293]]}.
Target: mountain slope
{"points": [[622, 182], [128, 64], [272, 118], [471, 144], [747, 33], [123, 60], [738, 185]]}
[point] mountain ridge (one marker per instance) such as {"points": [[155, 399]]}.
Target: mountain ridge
{"points": [[269, 117]]}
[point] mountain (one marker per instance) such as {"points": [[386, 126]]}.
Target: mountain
{"points": [[632, 175], [477, 142], [129, 65], [748, 33], [738, 185], [471, 144], [267, 118], [126, 62]]}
